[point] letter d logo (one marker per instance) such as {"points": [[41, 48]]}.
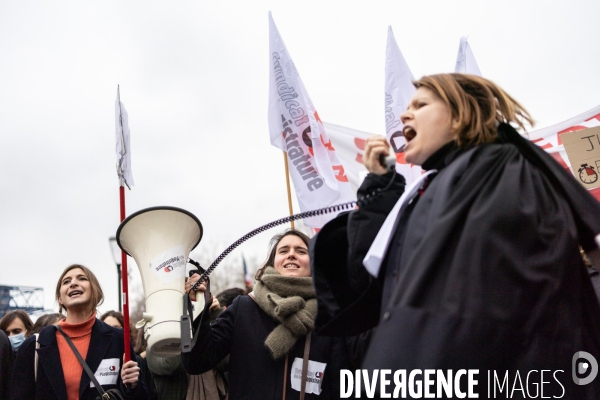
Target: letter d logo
{"points": [[583, 367]]}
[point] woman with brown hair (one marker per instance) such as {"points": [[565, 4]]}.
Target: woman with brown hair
{"points": [[268, 334], [477, 265], [49, 368], [45, 320], [18, 326], [113, 318]]}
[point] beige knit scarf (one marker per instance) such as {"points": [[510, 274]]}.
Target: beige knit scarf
{"points": [[289, 300]]}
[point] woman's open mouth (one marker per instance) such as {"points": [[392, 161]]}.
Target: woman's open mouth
{"points": [[409, 133]]}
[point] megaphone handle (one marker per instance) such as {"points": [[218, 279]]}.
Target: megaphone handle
{"points": [[188, 336]]}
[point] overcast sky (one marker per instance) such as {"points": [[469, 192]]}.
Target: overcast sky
{"points": [[194, 80]]}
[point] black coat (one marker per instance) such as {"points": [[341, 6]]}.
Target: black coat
{"points": [[483, 271], [6, 365], [106, 342], [241, 331]]}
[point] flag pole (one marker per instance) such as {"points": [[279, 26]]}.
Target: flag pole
{"points": [[124, 282], [289, 192]]}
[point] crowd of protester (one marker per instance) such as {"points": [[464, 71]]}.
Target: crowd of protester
{"points": [[487, 262], [165, 379]]}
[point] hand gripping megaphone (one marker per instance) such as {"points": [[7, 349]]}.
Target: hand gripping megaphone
{"points": [[160, 240]]}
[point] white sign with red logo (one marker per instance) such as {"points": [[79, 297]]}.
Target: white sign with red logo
{"points": [[314, 376], [169, 265], [107, 372]]}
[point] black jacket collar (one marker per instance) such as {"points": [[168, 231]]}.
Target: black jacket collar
{"points": [[442, 157], [48, 353]]}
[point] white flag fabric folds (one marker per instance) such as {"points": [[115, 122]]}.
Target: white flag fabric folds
{"points": [[349, 145], [123, 149], [465, 60], [295, 127], [398, 93]]}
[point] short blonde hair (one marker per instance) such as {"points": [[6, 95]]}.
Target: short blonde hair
{"points": [[97, 295], [478, 105]]}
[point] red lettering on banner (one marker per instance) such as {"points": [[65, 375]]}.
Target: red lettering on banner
{"points": [[576, 128], [317, 118], [360, 144], [328, 145], [595, 193], [341, 175], [400, 158], [570, 129], [560, 160]]}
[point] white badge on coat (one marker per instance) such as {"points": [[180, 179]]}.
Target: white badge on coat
{"points": [[314, 376], [107, 372]]}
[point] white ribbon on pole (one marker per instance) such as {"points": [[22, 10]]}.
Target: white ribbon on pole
{"points": [[123, 150]]}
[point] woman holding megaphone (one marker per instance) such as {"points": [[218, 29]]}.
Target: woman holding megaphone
{"points": [[477, 265], [48, 366], [268, 334]]}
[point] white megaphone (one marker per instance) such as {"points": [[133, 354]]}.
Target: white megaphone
{"points": [[160, 240]]}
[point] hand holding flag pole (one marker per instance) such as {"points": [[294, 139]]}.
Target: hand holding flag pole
{"points": [[125, 179]]}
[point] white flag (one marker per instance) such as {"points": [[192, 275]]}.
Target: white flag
{"points": [[465, 60], [399, 90], [295, 127], [122, 148], [350, 146]]}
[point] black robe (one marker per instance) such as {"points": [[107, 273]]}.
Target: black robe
{"points": [[483, 272]]}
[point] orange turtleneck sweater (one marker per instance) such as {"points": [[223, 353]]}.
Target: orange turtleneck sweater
{"points": [[80, 334]]}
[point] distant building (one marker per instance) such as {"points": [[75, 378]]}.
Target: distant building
{"points": [[27, 298]]}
